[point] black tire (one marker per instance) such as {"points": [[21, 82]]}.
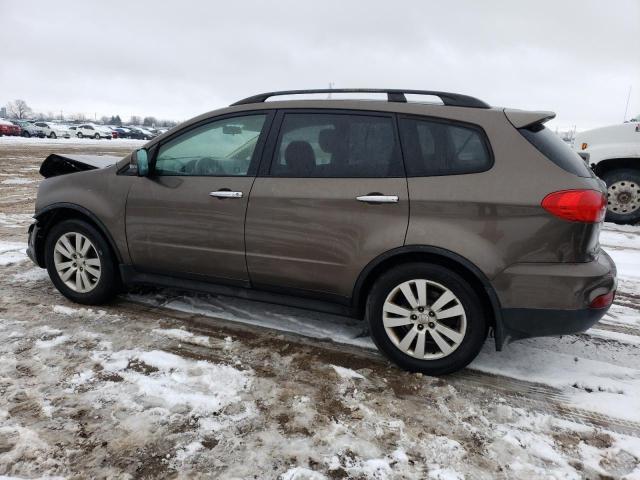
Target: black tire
{"points": [[630, 178], [97, 136], [79, 135], [476, 329], [26, 134], [109, 283], [52, 135]]}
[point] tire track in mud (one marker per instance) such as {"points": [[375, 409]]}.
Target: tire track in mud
{"points": [[530, 396]]}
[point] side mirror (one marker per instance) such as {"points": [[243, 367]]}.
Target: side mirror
{"points": [[142, 162]]}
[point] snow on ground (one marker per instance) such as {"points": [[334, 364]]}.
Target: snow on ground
{"points": [[15, 220], [62, 142], [12, 252], [162, 384]]}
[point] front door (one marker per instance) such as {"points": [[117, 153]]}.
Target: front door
{"points": [[187, 217], [332, 199]]}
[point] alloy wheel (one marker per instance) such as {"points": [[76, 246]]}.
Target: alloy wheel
{"points": [[623, 197], [77, 262], [424, 319]]}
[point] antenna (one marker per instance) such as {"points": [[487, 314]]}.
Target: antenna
{"points": [[626, 108]]}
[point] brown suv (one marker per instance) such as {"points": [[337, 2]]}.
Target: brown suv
{"points": [[436, 222]]}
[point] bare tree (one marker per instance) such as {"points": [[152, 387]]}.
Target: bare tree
{"points": [[79, 117], [18, 109], [149, 121], [135, 120]]}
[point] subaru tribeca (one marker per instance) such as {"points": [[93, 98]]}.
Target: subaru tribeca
{"points": [[437, 223]]}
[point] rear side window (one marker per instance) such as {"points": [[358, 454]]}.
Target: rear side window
{"points": [[434, 148], [552, 147], [319, 145]]}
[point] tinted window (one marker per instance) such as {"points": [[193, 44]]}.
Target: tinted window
{"points": [[336, 145], [552, 147], [438, 148], [221, 148]]}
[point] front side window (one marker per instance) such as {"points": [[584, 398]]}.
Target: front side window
{"points": [[318, 145], [220, 148], [440, 148]]}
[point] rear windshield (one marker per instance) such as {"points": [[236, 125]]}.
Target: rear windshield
{"points": [[552, 147]]}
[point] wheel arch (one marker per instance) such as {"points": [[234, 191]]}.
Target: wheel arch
{"points": [[605, 166], [439, 256], [58, 212]]}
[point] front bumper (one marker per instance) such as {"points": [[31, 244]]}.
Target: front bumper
{"points": [[553, 299], [32, 246]]}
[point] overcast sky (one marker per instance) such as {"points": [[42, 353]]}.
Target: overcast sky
{"points": [[178, 59]]}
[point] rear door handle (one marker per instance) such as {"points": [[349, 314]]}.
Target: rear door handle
{"points": [[226, 194], [378, 198]]}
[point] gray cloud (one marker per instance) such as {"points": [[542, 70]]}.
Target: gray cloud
{"points": [[179, 59]]}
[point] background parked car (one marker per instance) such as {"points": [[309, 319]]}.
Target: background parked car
{"points": [[93, 131], [53, 130], [122, 132], [138, 133], [28, 129], [9, 129]]}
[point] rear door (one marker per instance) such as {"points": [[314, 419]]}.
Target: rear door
{"points": [[187, 218], [332, 195]]}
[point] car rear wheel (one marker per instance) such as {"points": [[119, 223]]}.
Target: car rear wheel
{"points": [[97, 136], [623, 195], [80, 263], [52, 135], [26, 134], [426, 318], [79, 135]]}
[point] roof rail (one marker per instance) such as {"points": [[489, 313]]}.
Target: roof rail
{"points": [[393, 95]]}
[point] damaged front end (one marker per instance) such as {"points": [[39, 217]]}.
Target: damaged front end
{"points": [[57, 164]]}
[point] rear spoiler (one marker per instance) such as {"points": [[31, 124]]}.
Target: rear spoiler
{"points": [[526, 118], [56, 164]]}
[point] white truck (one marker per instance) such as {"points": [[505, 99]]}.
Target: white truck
{"points": [[614, 156]]}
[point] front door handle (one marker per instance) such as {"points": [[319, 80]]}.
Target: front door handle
{"points": [[226, 194], [378, 198]]}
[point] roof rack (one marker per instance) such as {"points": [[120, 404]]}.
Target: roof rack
{"points": [[393, 95]]}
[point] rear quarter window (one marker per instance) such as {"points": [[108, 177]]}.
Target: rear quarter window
{"points": [[552, 147], [434, 147]]}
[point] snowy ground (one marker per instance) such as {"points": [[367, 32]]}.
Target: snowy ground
{"points": [[166, 385]]}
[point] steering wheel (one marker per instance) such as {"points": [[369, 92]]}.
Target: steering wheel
{"points": [[207, 166]]}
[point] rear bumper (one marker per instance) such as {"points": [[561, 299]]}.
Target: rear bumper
{"points": [[522, 323], [552, 299]]}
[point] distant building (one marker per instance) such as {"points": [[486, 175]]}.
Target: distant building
{"points": [[3, 111]]}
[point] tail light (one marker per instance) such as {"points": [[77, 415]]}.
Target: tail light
{"points": [[588, 206], [603, 301]]}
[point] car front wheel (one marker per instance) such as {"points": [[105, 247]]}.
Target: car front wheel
{"points": [[426, 318], [80, 263], [52, 135]]}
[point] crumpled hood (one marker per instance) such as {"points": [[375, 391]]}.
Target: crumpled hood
{"points": [[58, 164]]}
